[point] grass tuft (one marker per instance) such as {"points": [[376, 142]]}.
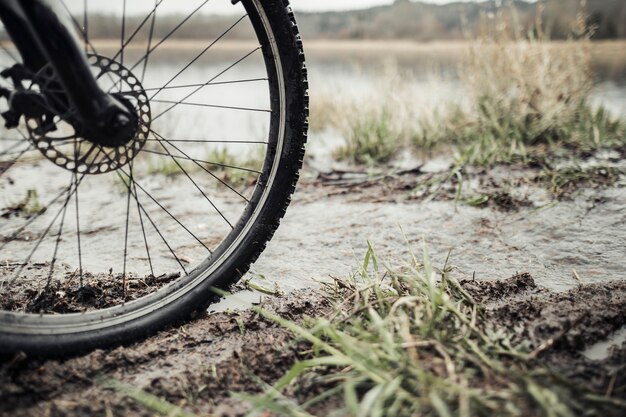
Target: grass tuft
{"points": [[228, 168], [29, 206], [412, 342], [528, 100], [372, 138], [231, 169], [520, 98], [166, 167], [563, 182], [374, 124]]}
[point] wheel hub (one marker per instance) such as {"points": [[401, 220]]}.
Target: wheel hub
{"points": [[91, 149]]}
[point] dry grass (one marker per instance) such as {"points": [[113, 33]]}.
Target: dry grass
{"points": [[375, 124], [524, 99], [528, 100]]}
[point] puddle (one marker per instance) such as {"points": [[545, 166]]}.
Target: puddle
{"points": [[241, 301], [602, 350], [326, 236]]}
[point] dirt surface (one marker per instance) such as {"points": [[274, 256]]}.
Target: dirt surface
{"points": [[474, 218], [566, 294], [562, 328], [505, 221], [73, 294], [198, 366]]}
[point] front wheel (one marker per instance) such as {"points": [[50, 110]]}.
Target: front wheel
{"points": [[101, 246]]}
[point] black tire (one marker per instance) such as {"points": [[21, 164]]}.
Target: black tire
{"points": [[62, 335]]}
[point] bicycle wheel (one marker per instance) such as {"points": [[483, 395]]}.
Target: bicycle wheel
{"points": [[102, 246]]}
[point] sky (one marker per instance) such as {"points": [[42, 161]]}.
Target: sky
{"points": [[224, 6], [321, 5]]}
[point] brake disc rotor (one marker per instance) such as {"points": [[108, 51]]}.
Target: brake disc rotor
{"points": [[66, 146]]}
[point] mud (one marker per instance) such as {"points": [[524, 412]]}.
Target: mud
{"points": [[196, 366], [75, 293], [561, 326], [199, 366], [567, 293]]}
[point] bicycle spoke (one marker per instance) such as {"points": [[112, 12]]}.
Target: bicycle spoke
{"points": [[169, 247], [241, 142], [136, 31], [126, 230], [199, 161], [150, 37], [197, 57], [84, 28], [211, 80], [71, 190], [196, 185], [31, 220], [58, 240], [150, 50], [142, 209], [76, 201], [19, 154], [213, 106], [85, 22], [6, 166], [11, 150], [166, 37], [143, 231], [201, 166], [250, 80], [143, 190], [123, 36], [80, 250], [43, 235]]}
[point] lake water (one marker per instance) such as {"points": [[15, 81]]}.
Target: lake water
{"points": [[336, 69], [358, 67], [341, 70], [428, 73]]}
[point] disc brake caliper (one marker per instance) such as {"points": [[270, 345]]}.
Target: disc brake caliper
{"points": [[24, 102]]}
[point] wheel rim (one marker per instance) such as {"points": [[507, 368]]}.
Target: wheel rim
{"points": [[141, 196]]}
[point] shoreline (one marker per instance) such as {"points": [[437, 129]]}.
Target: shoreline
{"points": [[605, 53], [365, 45]]}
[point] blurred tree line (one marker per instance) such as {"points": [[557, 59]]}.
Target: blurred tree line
{"points": [[405, 19], [425, 22]]}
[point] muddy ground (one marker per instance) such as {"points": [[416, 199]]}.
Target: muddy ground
{"points": [[565, 253], [198, 366]]}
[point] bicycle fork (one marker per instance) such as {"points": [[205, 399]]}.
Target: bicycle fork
{"points": [[43, 33]]}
